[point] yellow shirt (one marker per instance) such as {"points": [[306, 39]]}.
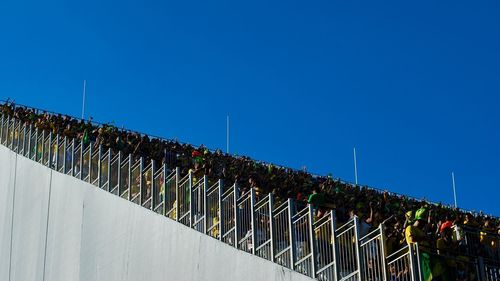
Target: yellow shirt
{"points": [[414, 234]]}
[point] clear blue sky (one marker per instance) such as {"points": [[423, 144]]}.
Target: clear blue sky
{"points": [[414, 86]]}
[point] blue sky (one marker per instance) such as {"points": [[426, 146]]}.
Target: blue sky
{"points": [[414, 86]]}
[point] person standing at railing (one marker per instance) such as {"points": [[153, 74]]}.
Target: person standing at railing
{"points": [[318, 201], [415, 232]]}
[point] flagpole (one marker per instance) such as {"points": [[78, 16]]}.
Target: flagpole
{"points": [[454, 188], [227, 134], [83, 101], [355, 167]]}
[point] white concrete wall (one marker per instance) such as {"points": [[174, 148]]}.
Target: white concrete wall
{"points": [[54, 227]]}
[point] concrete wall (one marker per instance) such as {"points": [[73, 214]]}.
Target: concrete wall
{"points": [[54, 227]]}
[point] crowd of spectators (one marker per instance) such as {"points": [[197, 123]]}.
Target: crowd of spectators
{"points": [[407, 220]]}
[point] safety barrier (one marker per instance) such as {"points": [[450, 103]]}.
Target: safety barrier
{"points": [[372, 255], [492, 271], [402, 265], [291, 234]]}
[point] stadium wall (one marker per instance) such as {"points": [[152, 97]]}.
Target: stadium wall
{"points": [[55, 227]]}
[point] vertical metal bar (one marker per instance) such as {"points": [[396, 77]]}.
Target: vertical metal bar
{"points": [[356, 234], [190, 192], [165, 192], [482, 269], [51, 151], [43, 147], [411, 258], [119, 173], [235, 210], [81, 159], [57, 153], [291, 233], [73, 157], [109, 169], [311, 240], [1, 128], [14, 148], [271, 224], [141, 181], [7, 144], [7, 132], [333, 225], [220, 212], [91, 151], [177, 179], [22, 130], [129, 177], [35, 150], [154, 188], [99, 165], [382, 251], [29, 142], [252, 219], [419, 266], [205, 205], [65, 147]]}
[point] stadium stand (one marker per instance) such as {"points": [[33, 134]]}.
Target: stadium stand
{"points": [[317, 225]]}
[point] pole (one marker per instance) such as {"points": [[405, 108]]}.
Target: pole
{"points": [[83, 102], [227, 134], [355, 167], [454, 188]]}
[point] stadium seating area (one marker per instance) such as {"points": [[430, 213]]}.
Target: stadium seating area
{"points": [[439, 228]]}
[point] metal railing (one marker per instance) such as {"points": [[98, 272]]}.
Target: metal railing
{"points": [[289, 234]]}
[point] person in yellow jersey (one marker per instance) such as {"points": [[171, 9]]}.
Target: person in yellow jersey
{"points": [[415, 232]]}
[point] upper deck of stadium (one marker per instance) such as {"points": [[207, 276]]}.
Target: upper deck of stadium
{"points": [[280, 214]]}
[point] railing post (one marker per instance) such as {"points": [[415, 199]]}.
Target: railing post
{"points": [[177, 181], [333, 225], [129, 177], [164, 199], [154, 188], [119, 173], [357, 234], [482, 269], [14, 147], [414, 268], [291, 233], [236, 220], [43, 147], [99, 165], [1, 128], [141, 180], [312, 239], [382, 250], [51, 151], [65, 148], [252, 219], [35, 147], [205, 205], [109, 169], [271, 224], [91, 151], [7, 132], [28, 154], [219, 211], [72, 157], [58, 152], [81, 159], [190, 192]]}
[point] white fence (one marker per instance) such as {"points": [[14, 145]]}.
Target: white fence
{"points": [[288, 234]]}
